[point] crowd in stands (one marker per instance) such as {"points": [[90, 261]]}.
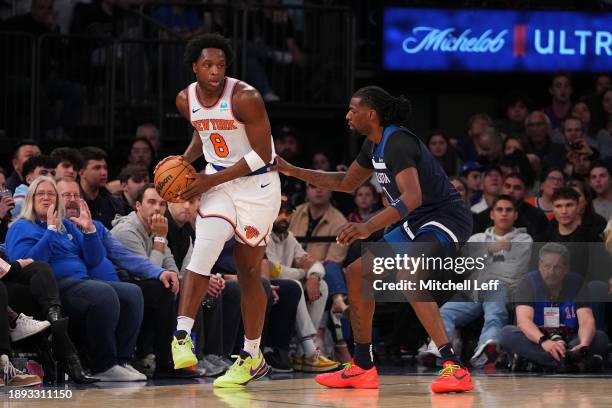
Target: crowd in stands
{"points": [[93, 264]]}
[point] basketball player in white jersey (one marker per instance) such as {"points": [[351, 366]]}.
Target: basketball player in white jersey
{"points": [[240, 197]]}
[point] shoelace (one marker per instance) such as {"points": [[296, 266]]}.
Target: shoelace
{"points": [[238, 363], [448, 370], [9, 371]]}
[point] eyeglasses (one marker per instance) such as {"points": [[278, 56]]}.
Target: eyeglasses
{"points": [[45, 193], [74, 196]]}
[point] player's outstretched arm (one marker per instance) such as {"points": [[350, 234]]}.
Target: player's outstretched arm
{"points": [[345, 181]]}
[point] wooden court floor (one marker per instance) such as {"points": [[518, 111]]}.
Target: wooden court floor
{"points": [[395, 391]]}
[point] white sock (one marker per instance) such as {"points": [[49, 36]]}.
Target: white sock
{"points": [[309, 347], [184, 323], [252, 346]]}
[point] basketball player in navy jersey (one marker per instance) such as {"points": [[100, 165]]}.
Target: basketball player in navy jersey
{"points": [[421, 196]]}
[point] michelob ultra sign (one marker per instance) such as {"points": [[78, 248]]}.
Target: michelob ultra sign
{"points": [[499, 40]]}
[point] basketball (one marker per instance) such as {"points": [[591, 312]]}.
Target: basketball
{"points": [[170, 177]]}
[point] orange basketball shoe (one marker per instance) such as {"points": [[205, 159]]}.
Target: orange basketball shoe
{"points": [[351, 376], [453, 378]]}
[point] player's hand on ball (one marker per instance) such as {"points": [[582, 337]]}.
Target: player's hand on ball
{"points": [[351, 232], [159, 225], [197, 184], [282, 166]]}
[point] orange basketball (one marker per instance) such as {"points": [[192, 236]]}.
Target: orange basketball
{"points": [[170, 177]]}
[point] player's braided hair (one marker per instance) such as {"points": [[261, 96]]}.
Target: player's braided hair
{"points": [[214, 40], [391, 110]]}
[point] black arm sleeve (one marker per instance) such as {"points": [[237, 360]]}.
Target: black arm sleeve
{"points": [[401, 152], [364, 157]]}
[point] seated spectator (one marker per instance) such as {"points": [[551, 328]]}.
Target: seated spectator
{"points": [[560, 90], [579, 154], [366, 203], [527, 165], [538, 130], [181, 233], [184, 21], [460, 186], [40, 20], [441, 148], [69, 161], [605, 124], [555, 328], [529, 217], [131, 178], [568, 227], [600, 183], [476, 126], [99, 18], [288, 260], [11, 376], [582, 111], [320, 161], [109, 313], [553, 179], [32, 168], [516, 110], [23, 152], [508, 252], [471, 174], [93, 177], [489, 147], [491, 186], [142, 153], [287, 146], [32, 288], [158, 286], [150, 132], [6, 205]]}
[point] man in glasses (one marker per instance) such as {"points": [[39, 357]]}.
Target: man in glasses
{"points": [[34, 167]]}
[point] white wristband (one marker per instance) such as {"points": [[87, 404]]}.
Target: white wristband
{"points": [[253, 160], [52, 227], [161, 240]]}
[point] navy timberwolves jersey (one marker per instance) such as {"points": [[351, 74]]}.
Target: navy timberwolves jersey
{"points": [[400, 149]]}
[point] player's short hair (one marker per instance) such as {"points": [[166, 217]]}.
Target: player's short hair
{"points": [[68, 155], [141, 191], [212, 40], [92, 153], [136, 172], [44, 161], [390, 109], [566, 193]]}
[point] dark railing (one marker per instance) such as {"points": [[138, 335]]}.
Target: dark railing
{"points": [[97, 90]]}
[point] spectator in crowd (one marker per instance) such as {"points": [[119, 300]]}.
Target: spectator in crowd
{"points": [[476, 126], [553, 179], [538, 130], [366, 203], [69, 161], [560, 90], [109, 313], [6, 205], [461, 187], [40, 20], [441, 148], [579, 154], [182, 20], [11, 376], [145, 230], [150, 132], [131, 178], [605, 133], [582, 111], [142, 152], [555, 325], [518, 162], [567, 227], [532, 219], [508, 251], [489, 146], [93, 177], [287, 146], [100, 18], [491, 186], [516, 109], [599, 181], [33, 289], [288, 260], [471, 174], [512, 144], [320, 161], [34, 167], [181, 233], [23, 152], [158, 286], [589, 219]]}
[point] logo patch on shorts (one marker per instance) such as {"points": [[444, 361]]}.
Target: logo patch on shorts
{"points": [[251, 232]]}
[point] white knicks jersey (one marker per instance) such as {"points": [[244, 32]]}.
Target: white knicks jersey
{"points": [[224, 139]]}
